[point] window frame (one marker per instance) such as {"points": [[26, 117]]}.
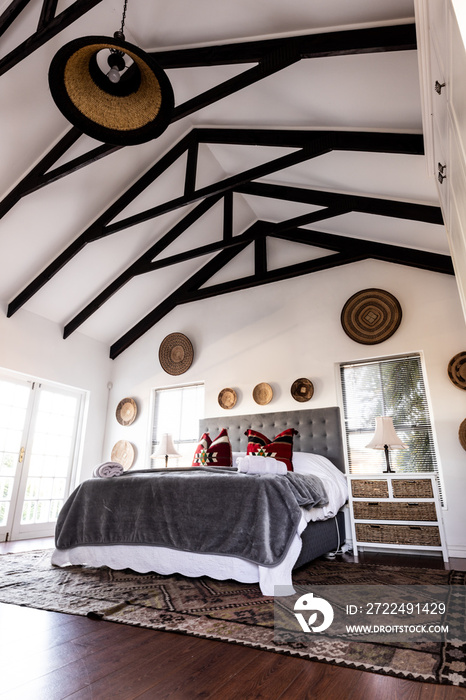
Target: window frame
{"points": [[437, 468], [151, 443]]}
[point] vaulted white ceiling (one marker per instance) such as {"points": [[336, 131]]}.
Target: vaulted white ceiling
{"points": [[376, 92]]}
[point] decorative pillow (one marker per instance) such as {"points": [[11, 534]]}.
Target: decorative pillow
{"points": [[280, 448], [215, 453], [201, 450]]}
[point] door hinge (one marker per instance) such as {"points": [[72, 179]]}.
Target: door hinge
{"points": [[21, 454]]}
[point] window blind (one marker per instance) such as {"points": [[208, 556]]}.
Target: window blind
{"points": [[388, 387], [177, 411]]}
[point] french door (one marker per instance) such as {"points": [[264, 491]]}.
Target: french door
{"points": [[39, 430]]}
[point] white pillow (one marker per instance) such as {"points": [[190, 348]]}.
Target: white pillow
{"points": [[333, 479]]}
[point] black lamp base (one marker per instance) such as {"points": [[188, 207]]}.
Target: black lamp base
{"points": [[388, 470]]}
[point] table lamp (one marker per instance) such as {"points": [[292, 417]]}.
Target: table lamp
{"points": [[385, 438], [166, 449]]}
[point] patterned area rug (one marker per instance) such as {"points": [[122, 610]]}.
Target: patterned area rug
{"points": [[230, 611]]}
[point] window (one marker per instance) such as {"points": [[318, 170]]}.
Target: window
{"points": [[387, 387], [177, 411]]}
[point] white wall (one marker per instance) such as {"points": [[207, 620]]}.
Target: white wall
{"points": [[292, 329], [33, 346]]}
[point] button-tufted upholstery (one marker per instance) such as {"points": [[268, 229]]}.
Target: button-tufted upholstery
{"points": [[319, 430]]}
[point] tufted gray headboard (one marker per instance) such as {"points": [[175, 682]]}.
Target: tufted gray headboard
{"points": [[319, 430]]}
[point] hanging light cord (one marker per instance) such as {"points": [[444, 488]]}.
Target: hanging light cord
{"points": [[116, 60], [123, 19]]}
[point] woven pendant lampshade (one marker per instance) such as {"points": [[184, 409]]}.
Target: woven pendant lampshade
{"points": [[136, 108]]}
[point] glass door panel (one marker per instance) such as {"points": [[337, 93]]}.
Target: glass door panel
{"points": [[15, 406], [39, 430], [49, 461]]}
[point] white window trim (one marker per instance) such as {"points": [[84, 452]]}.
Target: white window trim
{"points": [[150, 426], [339, 388]]}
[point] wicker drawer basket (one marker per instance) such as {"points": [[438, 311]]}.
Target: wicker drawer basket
{"points": [[369, 488], [427, 535], [409, 488], [376, 510]]}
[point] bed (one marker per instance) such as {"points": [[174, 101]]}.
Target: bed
{"points": [[314, 531]]}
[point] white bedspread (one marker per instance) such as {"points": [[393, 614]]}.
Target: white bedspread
{"points": [[169, 561]]}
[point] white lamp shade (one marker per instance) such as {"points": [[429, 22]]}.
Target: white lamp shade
{"points": [[385, 435], [166, 448]]}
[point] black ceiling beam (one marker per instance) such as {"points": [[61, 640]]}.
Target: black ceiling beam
{"points": [[321, 143], [101, 228], [339, 43], [146, 262], [97, 229], [41, 175], [199, 251], [141, 265], [412, 257], [179, 295], [358, 251], [274, 54], [228, 216], [274, 63], [320, 147], [9, 15], [49, 8], [348, 250], [191, 168], [73, 166], [369, 141], [288, 272], [368, 205], [29, 182], [40, 37]]}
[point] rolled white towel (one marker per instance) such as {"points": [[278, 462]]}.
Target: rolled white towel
{"points": [[253, 464], [107, 469]]}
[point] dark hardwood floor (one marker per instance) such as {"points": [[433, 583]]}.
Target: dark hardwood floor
{"points": [[51, 656]]}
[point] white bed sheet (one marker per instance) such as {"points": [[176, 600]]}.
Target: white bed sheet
{"points": [[167, 561]]}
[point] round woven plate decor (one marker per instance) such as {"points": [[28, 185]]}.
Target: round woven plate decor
{"points": [[123, 452], [126, 411], [457, 370], [302, 390], [371, 316], [227, 398], [262, 393], [462, 434], [176, 353]]}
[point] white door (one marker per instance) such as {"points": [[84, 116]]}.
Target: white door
{"points": [[39, 425]]}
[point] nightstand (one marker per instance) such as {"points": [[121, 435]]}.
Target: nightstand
{"points": [[396, 511]]}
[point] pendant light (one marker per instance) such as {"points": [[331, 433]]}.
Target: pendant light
{"points": [[110, 89]]}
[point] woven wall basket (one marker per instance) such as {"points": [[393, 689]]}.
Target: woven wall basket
{"points": [[126, 411], [176, 353], [262, 393], [371, 316], [123, 452], [457, 370], [302, 390], [136, 109], [227, 398], [462, 434]]}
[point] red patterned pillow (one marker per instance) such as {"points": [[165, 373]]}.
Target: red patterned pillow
{"points": [[281, 447], [213, 454]]}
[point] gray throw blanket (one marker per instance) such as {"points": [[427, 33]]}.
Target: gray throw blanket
{"points": [[203, 510]]}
